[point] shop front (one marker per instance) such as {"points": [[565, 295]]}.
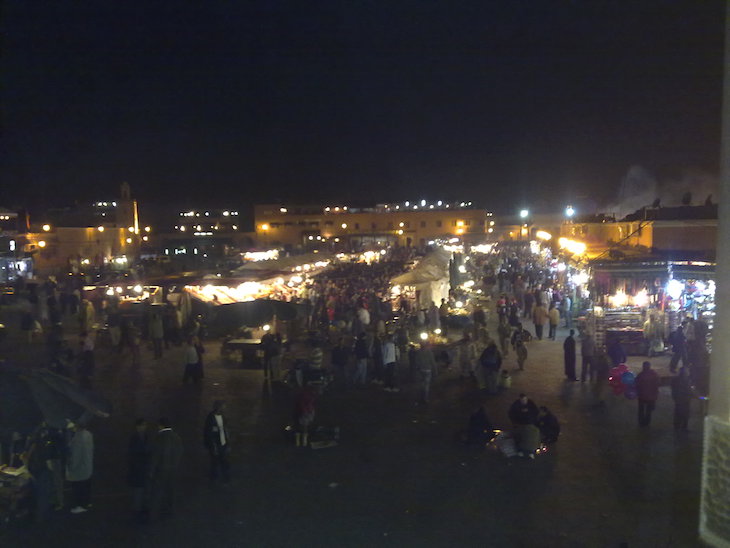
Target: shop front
{"points": [[641, 303]]}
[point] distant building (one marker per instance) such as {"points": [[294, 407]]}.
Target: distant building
{"points": [[404, 224], [204, 236], [13, 262], [675, 232], [103, 234]]}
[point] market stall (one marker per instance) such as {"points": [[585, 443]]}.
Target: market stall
{"points": [[643, 301], [427, 283], [29, 398]]}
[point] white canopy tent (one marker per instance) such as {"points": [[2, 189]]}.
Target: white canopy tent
{"points": [[430, 278]]}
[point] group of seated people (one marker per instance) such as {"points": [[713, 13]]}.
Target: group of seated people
{"points": [[532, 426]]}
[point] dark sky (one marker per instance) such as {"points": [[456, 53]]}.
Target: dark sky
{"points": [[502, 102]]}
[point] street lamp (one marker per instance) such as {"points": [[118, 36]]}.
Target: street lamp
{"points": [[524, 213]]}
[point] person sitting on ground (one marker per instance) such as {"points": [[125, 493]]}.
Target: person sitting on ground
{"points": [[523, 411], [479, 429], [548, 425], [527, 440]]}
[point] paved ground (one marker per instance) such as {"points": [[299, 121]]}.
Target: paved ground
{"points": [[398, 477]]}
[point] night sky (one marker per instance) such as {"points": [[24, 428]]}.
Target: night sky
{"points": [[502, 102]]}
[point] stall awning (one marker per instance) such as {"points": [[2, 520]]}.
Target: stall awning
{"points": [[432, 268]]}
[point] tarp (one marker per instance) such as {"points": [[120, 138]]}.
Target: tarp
{"points": [[29, 397], [283, 264], [433, 267], [430, 277]]}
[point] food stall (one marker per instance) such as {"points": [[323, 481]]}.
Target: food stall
{"points": [[427, 283], [15, 492], [628, 294], [691, 293]]}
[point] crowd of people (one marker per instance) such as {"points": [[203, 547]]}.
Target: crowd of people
{"points": [[357, 336]]}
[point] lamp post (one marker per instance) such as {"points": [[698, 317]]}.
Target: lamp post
{"points": [[524, 214]]}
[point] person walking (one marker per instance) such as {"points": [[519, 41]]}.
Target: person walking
{"points": [[134, 340], [567, 306], [587, 353], [682, 395], [192, 358], [304, 412], [41, 451], [165, 456], [529, 302], [491, 362], [467, 356], [444, 317], [80, 467], [569, 356], [554, 319], [679, 348], [272, 349], [138, 454], [434, 319], [518, 343], [362, 353], [504, 332], [389, 353], [426, 364], [216, 441], [156, 333], [647, 392], [539, 317]]}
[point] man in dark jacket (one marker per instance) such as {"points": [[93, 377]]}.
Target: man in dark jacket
{"points": [[491, 362], [216, 441], [165, 457], [682, 396], [523, 411], [679, 348], [138, 456], [616, 352], [362, 353], [647, 392], [569, 356], [549, 425]]}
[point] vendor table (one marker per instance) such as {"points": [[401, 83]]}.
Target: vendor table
{"points": [[15, 494], [251, 350]]}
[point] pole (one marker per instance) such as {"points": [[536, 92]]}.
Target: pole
{"points": [[715, 501]]}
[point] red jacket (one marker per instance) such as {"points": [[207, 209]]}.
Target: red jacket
{"points": [[647, 385]]}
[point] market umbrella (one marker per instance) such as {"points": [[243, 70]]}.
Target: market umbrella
{"points": [[29, 397]]}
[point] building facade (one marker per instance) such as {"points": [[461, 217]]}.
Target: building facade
{"points": [[406, 224]]}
